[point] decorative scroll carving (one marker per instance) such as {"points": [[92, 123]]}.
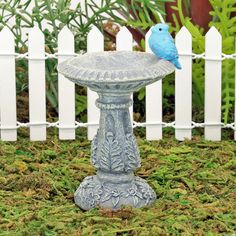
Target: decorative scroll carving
{"points": [[89, 193], [93, 192], [112, 106], [111, 194]]}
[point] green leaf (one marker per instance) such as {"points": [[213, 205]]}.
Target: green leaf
{"points": [[174, 8], [141, 94], [81, 104]]}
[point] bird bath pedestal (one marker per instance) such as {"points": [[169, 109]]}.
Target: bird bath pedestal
{"points": [[114, 76]]}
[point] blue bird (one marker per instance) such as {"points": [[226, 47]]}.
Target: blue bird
{"points": [[162, 44]]}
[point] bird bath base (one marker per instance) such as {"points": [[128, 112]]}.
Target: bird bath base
{"points": [[115, 154], [114, 76]]}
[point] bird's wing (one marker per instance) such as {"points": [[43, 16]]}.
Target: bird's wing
{"points": [[165, 48]]}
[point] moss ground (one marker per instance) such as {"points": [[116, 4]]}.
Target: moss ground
{"points": [[195, 182]]}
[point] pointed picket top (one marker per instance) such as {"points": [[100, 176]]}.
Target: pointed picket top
{"points": [[213, 43], [65, 33], [94, 32], [124, 40], [36, 42], [65, 30], [35, 35], [64, 36], [124, 31], [95, 40], [213, 32], [35, 32], [213, 37], [183, 34], [7, 40], [183, 41]]}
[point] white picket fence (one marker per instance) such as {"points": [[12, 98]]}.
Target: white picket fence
{"points": [[66, 123]]}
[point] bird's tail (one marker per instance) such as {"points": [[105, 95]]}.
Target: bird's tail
{"points": [[177, 63]]}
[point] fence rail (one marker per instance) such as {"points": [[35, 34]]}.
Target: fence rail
{"points": [[67, 124]]}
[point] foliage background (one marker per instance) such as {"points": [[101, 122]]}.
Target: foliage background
{"points": [[194, 180], [138, 16], [139, 19]]}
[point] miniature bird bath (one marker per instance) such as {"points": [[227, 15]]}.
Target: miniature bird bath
{"points": [[114, 76]]}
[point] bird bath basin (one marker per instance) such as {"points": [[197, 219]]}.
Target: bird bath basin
{"points": [[114, 152]]}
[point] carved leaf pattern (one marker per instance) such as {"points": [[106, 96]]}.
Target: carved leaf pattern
{"points": [[112, 194], [111, 155], [115, 201], [147, 193], [92, 193], [89, 193], [132, 154]]}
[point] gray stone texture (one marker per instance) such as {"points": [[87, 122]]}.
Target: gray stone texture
{"points": [[114, 76]]}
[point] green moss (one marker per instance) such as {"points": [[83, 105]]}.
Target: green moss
{"points": [[195, 183]]}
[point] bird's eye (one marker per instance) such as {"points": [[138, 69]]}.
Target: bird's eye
{"points": [[160, 29]]}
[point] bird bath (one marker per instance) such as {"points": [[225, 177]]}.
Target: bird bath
{"points": [[114, 152]]}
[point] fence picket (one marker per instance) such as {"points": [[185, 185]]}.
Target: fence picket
{"points": [[37, 98], [213, 50], [124, 42], [183, 86], [66, 88], [8, 86], [95, 43], [153, 105]]}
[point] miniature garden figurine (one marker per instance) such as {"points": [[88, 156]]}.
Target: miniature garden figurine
{"points": [[114, 75], [162, 44]]}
